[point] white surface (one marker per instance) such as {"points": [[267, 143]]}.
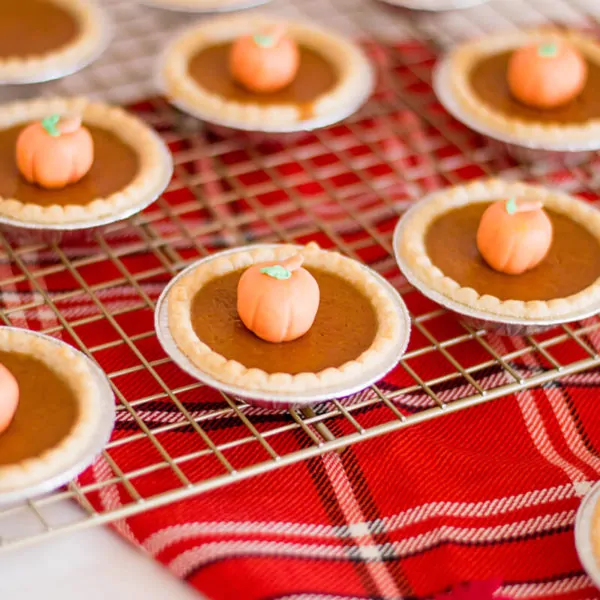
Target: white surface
{"points": [[93, 564]]}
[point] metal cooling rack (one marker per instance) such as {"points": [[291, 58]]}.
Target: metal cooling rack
{"points": [[343, 187]]}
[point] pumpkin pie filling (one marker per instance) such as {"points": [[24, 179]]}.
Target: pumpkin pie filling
{"points": [[34, 27], [572, 264], [488, 79], [46, 414], [115, 166], [345, 327], [316, 76]]}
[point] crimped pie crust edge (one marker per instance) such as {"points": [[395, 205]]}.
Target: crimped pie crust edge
{"points": [[91, 38], [153, 168], [349, 60], [65, 361], [466, 56], [234, 373], [412, 247]]}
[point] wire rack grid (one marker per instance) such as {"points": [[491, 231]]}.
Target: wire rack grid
{"points": [[344, 187]]}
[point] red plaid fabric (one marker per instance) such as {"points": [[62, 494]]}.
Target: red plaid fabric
{"points": [[490, 493], [485, 495]]}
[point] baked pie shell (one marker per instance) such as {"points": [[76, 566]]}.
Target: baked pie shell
{"points": [[231, 372], [347, 58], [412, 247], [74, 368], [464, 58], [155, 164], [91, 39]]}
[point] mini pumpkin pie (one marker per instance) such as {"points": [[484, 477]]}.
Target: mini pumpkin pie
{"points": [[596, 533], [505, 249], [286, 319], [45, 39], [258, 72], [72, 162], [587, 533], [538, 87], [50, 408]]}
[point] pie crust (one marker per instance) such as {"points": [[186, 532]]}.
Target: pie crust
{"points": [[465, 57], [411, 246], [351, 64], [91, 41], [152, 177], [61, 359], [596, 532], [232, 372]]}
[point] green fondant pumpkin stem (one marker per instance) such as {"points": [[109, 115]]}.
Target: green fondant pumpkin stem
{"points": [[277, 272], [50, 125], [528, 206], [264, 41], [511, 206], [548, 50], [271, 37]]}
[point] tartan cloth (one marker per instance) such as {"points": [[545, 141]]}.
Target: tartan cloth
{"points": [[485, 495], [489, 493]]}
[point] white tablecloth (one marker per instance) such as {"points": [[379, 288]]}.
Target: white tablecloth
{"points": [[93, 564]]}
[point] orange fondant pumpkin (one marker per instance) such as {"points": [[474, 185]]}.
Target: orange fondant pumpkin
{"points": [[547, 75], [55, 152], [278, 301], [9, 397], [265, 63], [514, 237]]}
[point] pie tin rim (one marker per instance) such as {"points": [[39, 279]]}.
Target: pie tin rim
{"points": [[441, 80], [286, 399], [464, 309], [97, 440]]}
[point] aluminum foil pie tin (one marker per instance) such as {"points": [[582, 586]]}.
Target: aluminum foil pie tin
{"points": [[583, 534], [94, 447], [435, 5], [339, 113], [105, 36], [30, 231], [567, 151], [479, 319], [202, 7], [331, 118], [273, 400]]}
